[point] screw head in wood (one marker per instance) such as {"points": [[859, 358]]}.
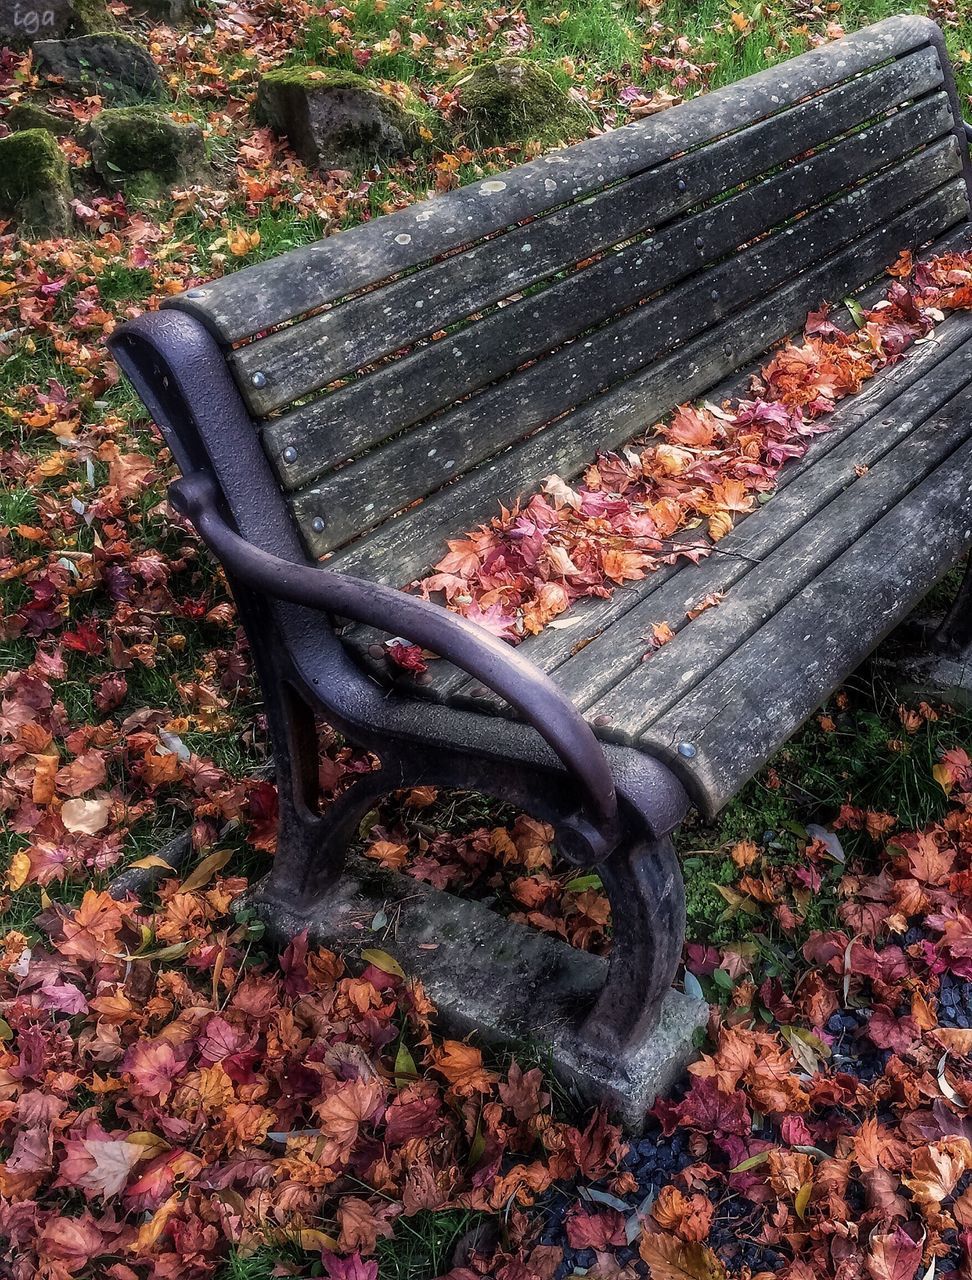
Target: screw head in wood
{"points": [[699, 243], [601, 721], [258, 379], [687, 749], [196, 293], [681, 184], [289, 454], [317, 524]]}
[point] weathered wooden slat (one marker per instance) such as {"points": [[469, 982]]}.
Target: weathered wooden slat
{"points": [[737, 717], [376, 407], [829, 508], [606, 643], [403, 548], [301, 358], [418, 462], [271, 293]]}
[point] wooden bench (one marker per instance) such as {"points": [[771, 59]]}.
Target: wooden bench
{"points": [[368, 396]]}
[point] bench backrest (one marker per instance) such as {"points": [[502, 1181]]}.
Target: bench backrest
{"points": [[563, 305]]}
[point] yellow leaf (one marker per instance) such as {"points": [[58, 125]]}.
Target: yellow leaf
{"points": [[405, 1070], [736, 900], [310, 1239], [720, 522], [383, 961], [152, 1143], [153, 860], [240, 242], [171, 952], [943, 777], [205, 871], [18, 871], [150, 1231], [803, 1199]]}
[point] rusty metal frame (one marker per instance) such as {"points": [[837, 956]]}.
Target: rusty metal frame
{"points": [[610, 807]]}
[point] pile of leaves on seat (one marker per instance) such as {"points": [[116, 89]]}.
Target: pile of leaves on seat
{"points": [[165, 1094], [706, 467]]}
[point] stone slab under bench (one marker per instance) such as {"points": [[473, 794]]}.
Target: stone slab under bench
{"points": [[500, 980]]}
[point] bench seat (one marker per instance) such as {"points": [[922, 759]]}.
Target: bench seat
{"points": [[879, 507]]}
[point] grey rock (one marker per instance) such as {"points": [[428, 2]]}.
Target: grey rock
{"points": [[496, 978], [110, 64], [945, 677], [22, 22], [517, 100], [27, 115], [171, 11], [339, 120], [145, 147], [35, 186]]}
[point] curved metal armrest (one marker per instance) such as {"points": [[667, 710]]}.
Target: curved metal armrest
{"points": [[542, 704]]}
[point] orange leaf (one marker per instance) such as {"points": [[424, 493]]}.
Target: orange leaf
{"points": [[672, 1259], [937, 1168], [462, 1066]]}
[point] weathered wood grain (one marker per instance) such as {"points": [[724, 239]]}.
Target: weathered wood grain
{"points": [[304, 357], [404, 548], [263, 296], [400, 394], [603, 639], [818, 518], [745, 709], [417, 463]]}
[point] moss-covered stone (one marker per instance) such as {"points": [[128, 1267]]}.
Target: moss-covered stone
{"points": [[91, 16], [22, 22], [110, 63], [337, 119], [171, 11], [28, 115], [145, 148], [35, 187], [516, 100]]}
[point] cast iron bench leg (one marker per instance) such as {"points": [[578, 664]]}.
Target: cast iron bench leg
{"points": [[643, 881], [642, 877], [954, 635]]}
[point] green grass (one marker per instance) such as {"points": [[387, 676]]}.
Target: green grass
{"points": [[420, 1249], [422, 1246]]}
